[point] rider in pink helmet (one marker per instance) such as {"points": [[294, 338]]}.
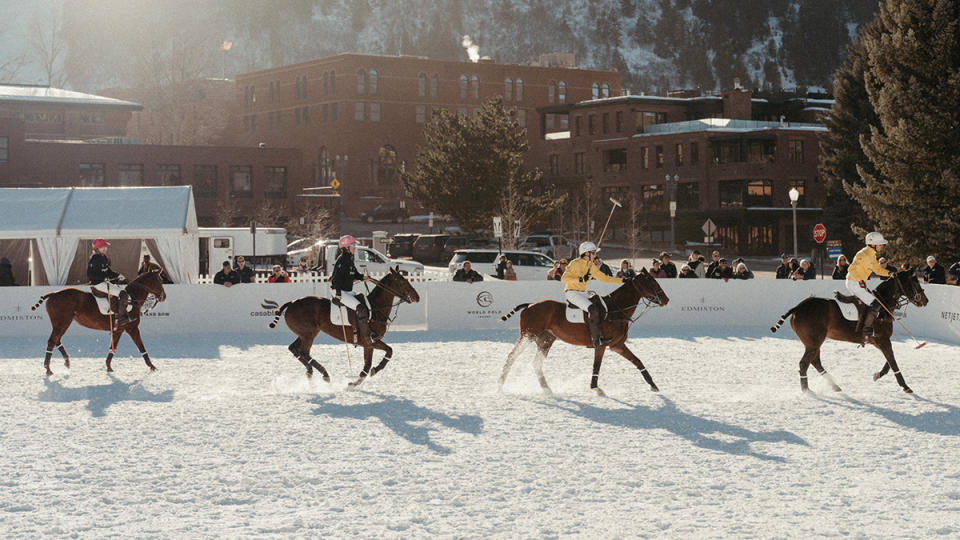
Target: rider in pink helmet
{"points": [[347, 240], [341, 284], [101, 276]]}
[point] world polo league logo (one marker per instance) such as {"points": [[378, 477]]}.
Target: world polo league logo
{"points": [[484, 299]]}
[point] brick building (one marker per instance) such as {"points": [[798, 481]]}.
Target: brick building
{"points": [[730, 158], [359, 118]]}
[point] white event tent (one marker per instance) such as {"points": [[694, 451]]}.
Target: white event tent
{"points": [[60, 221]]}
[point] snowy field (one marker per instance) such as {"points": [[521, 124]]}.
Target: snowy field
{"points": [[232, 440]]}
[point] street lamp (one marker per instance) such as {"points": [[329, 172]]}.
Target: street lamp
{"points": [[794, 197], [672, 189]]}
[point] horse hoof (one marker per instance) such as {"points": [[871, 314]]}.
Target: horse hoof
{"points": [[49, 373], [326, 379], [907, 390], [599, 391], [876, 376], [837, 389], [109, 370], [653, 388]]}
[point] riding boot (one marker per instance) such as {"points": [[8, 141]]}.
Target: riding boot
{"points": [[868, 318], [364, 334], [122, 300], [593, 323]]}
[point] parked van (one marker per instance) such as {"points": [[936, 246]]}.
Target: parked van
{"points": [[368, 260], [527, 264], [218, 244]]}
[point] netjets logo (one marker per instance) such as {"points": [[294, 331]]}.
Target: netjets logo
{"points": [[484, 299]]}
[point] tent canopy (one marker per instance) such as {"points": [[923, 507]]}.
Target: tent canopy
{"points": [[58, 218]]}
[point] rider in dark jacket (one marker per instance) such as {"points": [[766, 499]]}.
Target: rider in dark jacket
{"points": [[99, 271], [341, 282]]}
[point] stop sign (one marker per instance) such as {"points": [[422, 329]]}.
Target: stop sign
{"points": [[819, 233]]}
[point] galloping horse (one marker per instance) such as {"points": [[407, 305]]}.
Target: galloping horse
{"points": [[545, 321], [66, 305], [816, 319], [308, 316]]}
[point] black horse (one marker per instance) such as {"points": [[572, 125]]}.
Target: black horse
{"points": [[816, 319]]}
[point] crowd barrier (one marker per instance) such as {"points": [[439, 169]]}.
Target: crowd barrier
{"points": [[245, 308]]}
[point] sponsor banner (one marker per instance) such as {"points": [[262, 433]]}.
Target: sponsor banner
{"points": [[249, 308]]}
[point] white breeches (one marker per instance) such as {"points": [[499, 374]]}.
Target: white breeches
{"points": [[579, 299], [858, 291], [349, 300], [111, 289]]}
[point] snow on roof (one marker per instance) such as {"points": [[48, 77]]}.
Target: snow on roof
{"points": [[13, 93]]}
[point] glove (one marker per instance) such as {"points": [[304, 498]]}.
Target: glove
{"points": [[863, 284]]}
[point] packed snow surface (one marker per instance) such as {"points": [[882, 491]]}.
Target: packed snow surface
{"points": [[229, 438]]}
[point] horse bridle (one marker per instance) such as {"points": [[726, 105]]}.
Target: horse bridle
{"points": [[903, 298], [401, 298], [647, 303]]}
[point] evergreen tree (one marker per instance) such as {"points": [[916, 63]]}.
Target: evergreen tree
{"points": [[913, 83], [471, 170], [850, 118]]}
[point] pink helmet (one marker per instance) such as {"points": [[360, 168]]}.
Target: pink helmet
{"points": [[347, 240], [99, 243]]}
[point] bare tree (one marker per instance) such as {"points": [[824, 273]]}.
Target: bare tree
{"points": [[227, 213], [271, 214], [47, 46]]}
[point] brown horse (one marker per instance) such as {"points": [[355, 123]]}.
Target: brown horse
{"points": [[66, 305], [545, 321], [816, 319], [308, 316]]}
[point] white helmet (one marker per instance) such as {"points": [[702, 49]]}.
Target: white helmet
{"points": [[586, 246], [874, 238]]}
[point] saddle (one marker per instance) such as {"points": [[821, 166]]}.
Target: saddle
{"points": [[106, 304], [577, 315], [850, 299], [335, 314]]}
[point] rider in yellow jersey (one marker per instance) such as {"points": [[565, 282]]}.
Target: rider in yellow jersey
{"points": [[865, 263], [578, 273]]}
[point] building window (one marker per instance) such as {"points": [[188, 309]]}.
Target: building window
{"points": [[275, 182], [550, 121], [326, 83], [279, 119], [645, 157], [168, 175], [373, 86], [422, 85], [519, 89], [618, 121], [595, 91], [270, 120], [605, 122], [728, 235], [688, 195], [555, 164], [475, 86], [421, 114], [592, 124], [333, 111], [795, 147], [761, 238], [246, 124], [306, 116], [361, 82], [92, 175], [694, 153], [464, 83], [130, 174], [241, 182], [359, 111], [552, 92], [508, 89], [577, 125], [374, 112], [333, 83], [434, 85], [615, 159], [323, 113], [4, 149], [387, 166], [678, 154], [731, 193], [652, 199], [562, 92], [578, 165], [659, 152], [205, 181], [605, 90], [253, 123]]}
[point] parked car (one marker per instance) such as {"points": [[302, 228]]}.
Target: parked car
{"points": [[554, 246], [527, 264], [428, 248], [366, 259], [401, 245], [384, 212]]}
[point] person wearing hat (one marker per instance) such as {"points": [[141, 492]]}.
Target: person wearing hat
{"points": [[668, 267], [687, 273], [656, 269], [934, 272], [6, 274], [723, 271], [955, 272], [341, 284], [576, 277], [864, 263], [227, 276], [695, 262], [558, 275], [101, 275], [626, 272], [784, 270]]}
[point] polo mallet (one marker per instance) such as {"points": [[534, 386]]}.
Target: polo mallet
{"points": [[616, 204], [919, 343], [346, 344]]}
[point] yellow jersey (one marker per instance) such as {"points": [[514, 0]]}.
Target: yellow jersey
{"points": [[579, 268], [863, 264]]}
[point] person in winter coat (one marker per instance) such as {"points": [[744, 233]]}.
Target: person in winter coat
{"points": [[841, 267], [603, 266], [696, 263], [668, 267], [245, 272], [341, 284], [955, 272], [723, 271], [6, 274], [101, 276], [501, 265], [509, 273], [656, 269], [806, 271], [714, 265], [625, 271], [934, 272], [742, 272], [687, 273], [784, 271], [227, 276], [467, 274], [576, 277], [278, 275]]}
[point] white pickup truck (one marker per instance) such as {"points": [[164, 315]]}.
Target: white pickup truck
{"points": [[368, 260]]}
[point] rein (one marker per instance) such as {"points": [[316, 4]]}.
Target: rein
{"points": [[395, 308], [647, 304]]}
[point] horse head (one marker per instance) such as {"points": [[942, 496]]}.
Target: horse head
{"points": [[648, 288], [149, 283], [398, 285], [910, 287]]}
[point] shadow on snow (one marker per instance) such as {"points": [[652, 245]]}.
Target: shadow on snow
{"points": [[100, 397], [403, 417], [943, 422]]}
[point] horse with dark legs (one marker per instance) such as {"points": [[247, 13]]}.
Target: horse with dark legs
{"points": [[308, 316], [68, 305], [816, 319], [544, 322]]}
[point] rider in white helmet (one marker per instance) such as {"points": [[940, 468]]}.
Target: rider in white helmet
{"points": [[578, 273], [865, 263]]}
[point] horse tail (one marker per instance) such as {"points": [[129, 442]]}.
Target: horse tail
{"points": [[277, 312], [42, 298], [521, 307], [783, 317]]}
